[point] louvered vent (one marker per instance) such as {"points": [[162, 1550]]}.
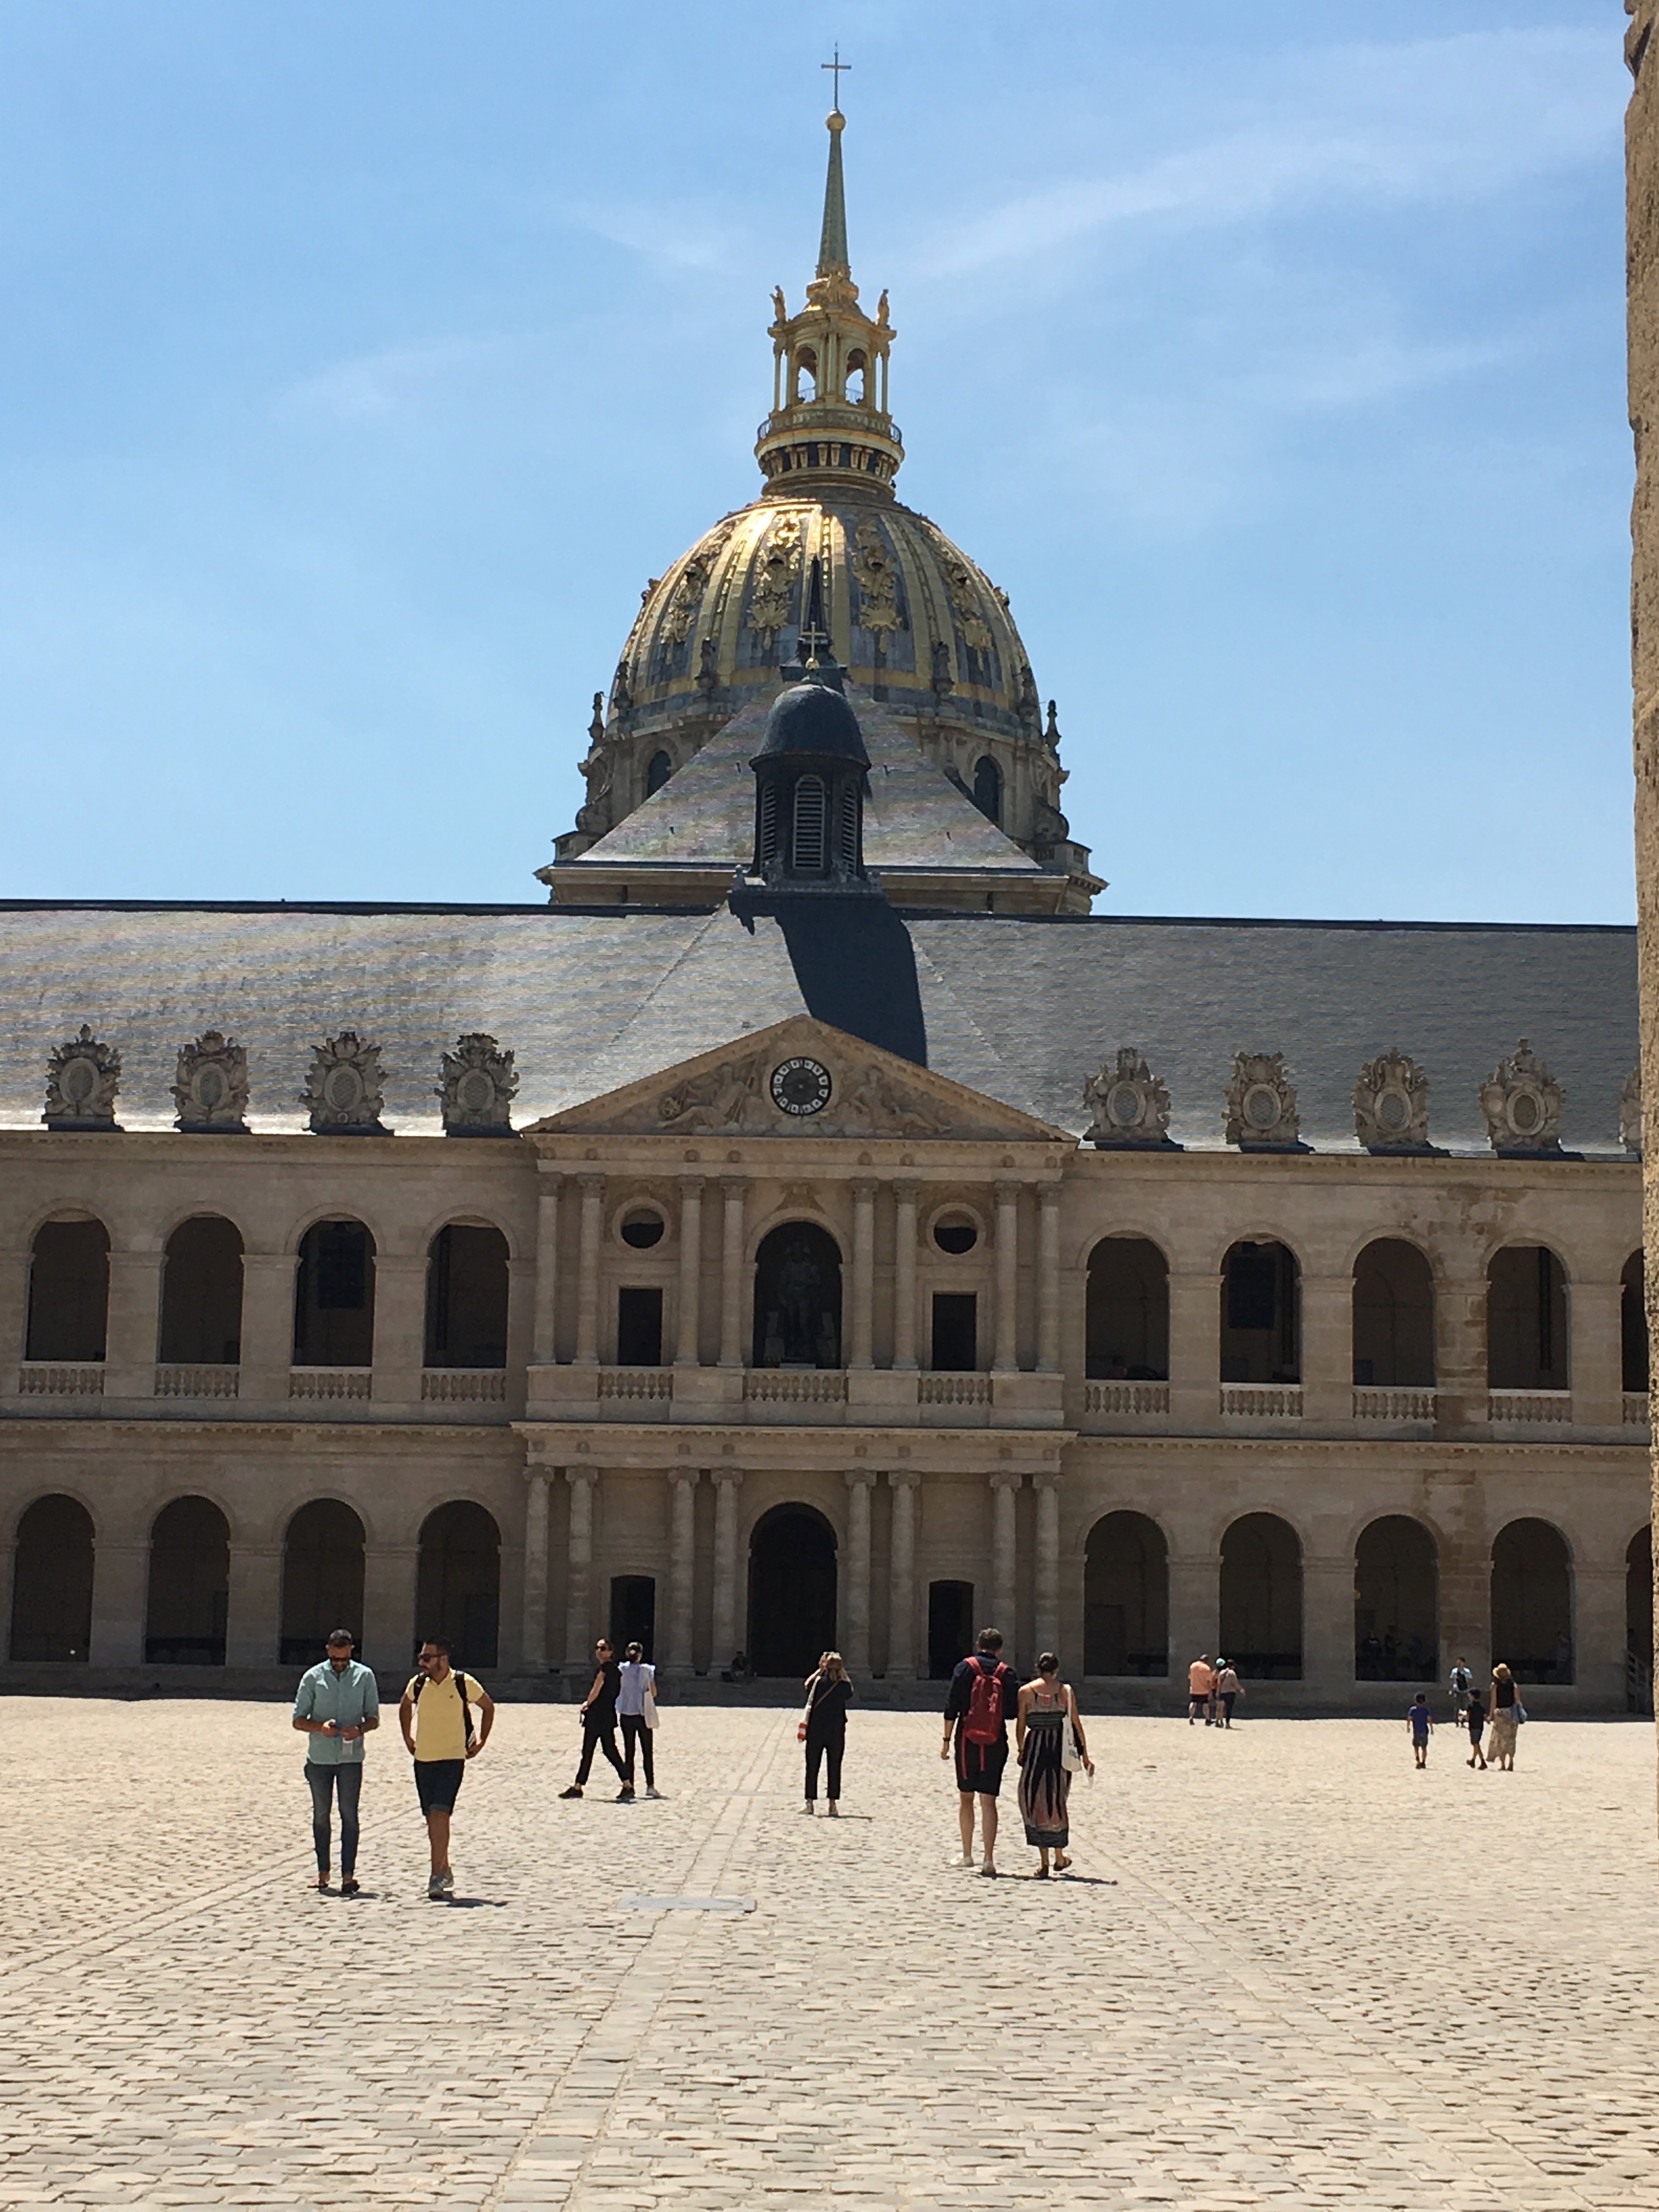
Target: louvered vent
{"points": [[808, 858], [768, 826]]}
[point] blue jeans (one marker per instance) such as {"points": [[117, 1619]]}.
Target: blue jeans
{"points": [[323, 1781]]}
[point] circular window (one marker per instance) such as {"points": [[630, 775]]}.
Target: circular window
{"points": [[642, 1230], [800, 1086], [955, 1237]]}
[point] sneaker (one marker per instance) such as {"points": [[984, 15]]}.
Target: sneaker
{"points": [[434, 1888], [807, 1808], [349, 1884], [625, 1794], [651, 1790], [575, 1790], [446, 1881]]}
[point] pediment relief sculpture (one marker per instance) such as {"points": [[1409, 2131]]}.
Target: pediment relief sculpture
{"points": [[1391, 1105], [1630, 1113], [210, 1088], [345, 1087], [83, 1076], [478, 1086], [1130, 1104], [1260, 1103], [1522, 1103]]}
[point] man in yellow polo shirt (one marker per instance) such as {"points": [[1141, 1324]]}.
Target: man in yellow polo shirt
{"points": [[437, 1719]]}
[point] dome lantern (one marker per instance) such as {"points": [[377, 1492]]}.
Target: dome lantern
{"points": [[809, 789]]}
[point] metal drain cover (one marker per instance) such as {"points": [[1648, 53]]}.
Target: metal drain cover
{"points": [[688, 1903]]}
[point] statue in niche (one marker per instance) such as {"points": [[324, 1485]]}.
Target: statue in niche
{"points": [[800, 1299]]}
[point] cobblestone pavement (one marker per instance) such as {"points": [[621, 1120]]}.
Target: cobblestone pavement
{"points": [[1289, 1971]]}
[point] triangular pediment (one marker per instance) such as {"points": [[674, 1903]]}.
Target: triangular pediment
{"points": [[798, 1077]]}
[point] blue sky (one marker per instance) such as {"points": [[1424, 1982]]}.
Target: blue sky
{"points": [[358, 365]]}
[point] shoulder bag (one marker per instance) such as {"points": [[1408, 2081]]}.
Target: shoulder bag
{"points": [[648, 1703]]}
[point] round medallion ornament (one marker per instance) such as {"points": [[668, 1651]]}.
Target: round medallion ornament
{"points": [[800, 1087], [1261, 1106]]}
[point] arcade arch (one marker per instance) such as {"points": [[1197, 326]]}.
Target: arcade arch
{"points": [[202, 1294], [1261, 1598], [1392, 1317], [1126, 1597], [69, 1291], [1127, 1312], [458, 1591], [792, 1591], [1260, 1315], [322, 1579], [189, 1596], [51, 1582], [1396, 1602], [1526, 1320], [1532, 1601]]}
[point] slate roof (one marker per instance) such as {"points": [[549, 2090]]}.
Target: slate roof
{"points": [[704, 815], [1022, 1008]]}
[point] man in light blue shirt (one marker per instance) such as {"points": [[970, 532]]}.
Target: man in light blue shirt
{"points": [[337, 1703]]}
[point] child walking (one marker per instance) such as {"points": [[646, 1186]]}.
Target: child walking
{"points": [[1419, 1720]]}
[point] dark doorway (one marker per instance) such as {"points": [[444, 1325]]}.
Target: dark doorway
{"points": [[658, 771], [956, 1332], [1396, 1602], [1261, 1598], [189, 1599], [1392, 1317], [638, 1327], [334, 1297], [1633, 1325], [458, 1582], [1260, 1315], [69, 1291], [792, 1590], [633, 1612], [1532, 1602], [1129, 1310], [987, 788], [1638, 1621], [950, 1627], [1126, 1597], [467, 1281], [798, 1299], [1526, 1320], [322, 1579], [202, 1294], [51, 1582]]}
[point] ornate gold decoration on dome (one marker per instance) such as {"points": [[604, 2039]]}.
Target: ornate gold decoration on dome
{"points": [[873, 567], [694, 582], [776, 571], [959, 581]]}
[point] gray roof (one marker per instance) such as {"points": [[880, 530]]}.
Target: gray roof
{"points": [[1022, 1008]]}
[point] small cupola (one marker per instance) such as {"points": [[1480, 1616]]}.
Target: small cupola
{"points": [[809, 789]]}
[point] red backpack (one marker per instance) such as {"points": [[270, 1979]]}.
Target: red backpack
{"points": [[984, 1719]]}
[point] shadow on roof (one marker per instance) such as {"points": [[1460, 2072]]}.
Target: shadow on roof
{"points": [[855, 967]]}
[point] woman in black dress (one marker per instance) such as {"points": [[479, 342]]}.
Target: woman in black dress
{"points": [[829, 1693]]}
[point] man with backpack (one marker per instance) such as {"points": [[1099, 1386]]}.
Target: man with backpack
{"points": [[436, 1717], [984, 1692]]}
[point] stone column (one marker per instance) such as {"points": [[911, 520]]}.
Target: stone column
{"points": [[688, 1329], [681, 1565], [14, 1313], [1459, 1351], [1327, 1648], [7, 1570], [902, 1579], [1007, 1294], [120, 1577], [267, 1326], [1047, 1624], [862, 1335], [254, 1626], [1194, 1610], [727, 1481], [855, 1613], [578, 1578], [1598, 1635], [533, 1637], [588, 1267], [135, 1318], [904, 1273], [1195, 1353], [399, 1350], [520, 1330], [733, 1192], [390, 1573], [545, 1348], [1005, 1563], [1328, 1352], [1049, 1283], [1595, 1354]]}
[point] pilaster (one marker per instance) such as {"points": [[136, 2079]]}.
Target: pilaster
{"points": [[904, 1273], [588, 1270], [1006, 1357], [734, 1194], [267, 1326], [578, 1570], [121, 1575], [399, 1328], [1194, 1352], [726, 1482], [533, 1635], [902, 1579], [252, 1614], [856, 1632], [134, 1310], [389, 1629], [864, 1273], [688, 1324]]}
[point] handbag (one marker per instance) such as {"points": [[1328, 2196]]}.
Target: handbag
{"points": [[1070, 1756], [648, 1707], [1520, 1712], [806, 1714]]}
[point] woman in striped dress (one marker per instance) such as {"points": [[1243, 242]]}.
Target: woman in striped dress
{"points": [[1048, 1710]]}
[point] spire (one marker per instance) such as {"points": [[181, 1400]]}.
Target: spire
{"points": [[832, 242]]}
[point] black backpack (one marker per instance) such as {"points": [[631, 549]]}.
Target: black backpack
{"points": [[421, 1681]]}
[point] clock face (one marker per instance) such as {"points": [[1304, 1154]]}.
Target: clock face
{"points": [[800, 1086]]}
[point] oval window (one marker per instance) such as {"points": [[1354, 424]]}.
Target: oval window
{"points": [[642, 1230]]}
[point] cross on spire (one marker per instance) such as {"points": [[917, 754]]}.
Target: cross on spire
{"points": [[837, 69]]}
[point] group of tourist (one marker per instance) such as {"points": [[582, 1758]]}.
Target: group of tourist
{"points": [[1496, 1717], [1213, 1690]]}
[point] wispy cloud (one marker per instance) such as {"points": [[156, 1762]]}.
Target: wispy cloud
{"points": [[681, 233], [400, 381]]}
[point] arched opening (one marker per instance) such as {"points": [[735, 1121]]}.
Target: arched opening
{"points": [[798, 1297], [458, 1591], [189, 1596], [51, 1582], [1126, 1597], [1532, 1601], [1392, 1317], [69, 1291], [1261, 1598], [950, 1627], [658, 771], [202, 1294], [322, 1579], [1638, 1621], [803, 377], [1633, 1324], [1129, 1310], [1260, 1315], [334, 1297], [467, 1281], [807, 826], [1526, 1320], [987, 788], [858, 382], [634, 1612], [792, 1590], [1396, 1602]]}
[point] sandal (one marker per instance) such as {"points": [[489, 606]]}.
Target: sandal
{"points": [[1060, 1863]]}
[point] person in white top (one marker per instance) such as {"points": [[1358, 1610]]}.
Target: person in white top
{"points": [[636, 1709]]}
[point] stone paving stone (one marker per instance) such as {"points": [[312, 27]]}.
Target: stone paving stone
{"points": [[1289, 1971]]}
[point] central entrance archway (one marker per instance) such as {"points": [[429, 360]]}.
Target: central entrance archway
{"points": [[792, 1590]]}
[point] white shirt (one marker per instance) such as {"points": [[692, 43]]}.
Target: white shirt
{"points": [[638, 1675]]}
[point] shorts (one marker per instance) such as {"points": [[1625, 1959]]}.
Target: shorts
{"points": [[979, 1767], [437, 1782]]}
